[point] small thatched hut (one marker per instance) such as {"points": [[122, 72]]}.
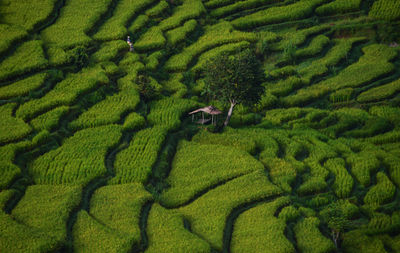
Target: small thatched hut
{"points": [[214, 112]]}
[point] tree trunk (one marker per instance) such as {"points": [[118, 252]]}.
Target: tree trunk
{"points": [[228, 117]]}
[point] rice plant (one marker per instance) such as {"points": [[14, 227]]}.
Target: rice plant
{"points": [[193, 172]]}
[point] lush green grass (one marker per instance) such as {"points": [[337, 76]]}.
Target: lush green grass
{"points": [[75, 22], [214, 36], [11, 128], [38, 222], [114, 27], [150, 40], [222, 200], [167, 233], [380, 93], [385, 9], [10, 35], [338, 7], [257, 230], [123, 210], [168, 111], [310, 239], [134, 164], [24, 86], [65, 92], [109, 110], [179, 34], [77, 161], [26, 14], [188, 10], [82, 146], [27, 58], [193, 174], [298, 10], [90, 235], [49, 120]]}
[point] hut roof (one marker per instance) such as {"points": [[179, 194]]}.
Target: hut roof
{"points": [[208, 109]]}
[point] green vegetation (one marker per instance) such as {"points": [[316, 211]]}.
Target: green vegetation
{"points": [[226, 197], [26, 14], [259, 230], [99, 154], [74, 23], [77, 162], [64, 93], [298, 10], [122, 214], [338, 7], [193, 174], [167, 233], [11, 128], [38, 222], [385, 9], [27, 58], [134, 164]]}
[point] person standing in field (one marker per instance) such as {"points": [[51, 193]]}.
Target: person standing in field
{"points": [[128, 40]]}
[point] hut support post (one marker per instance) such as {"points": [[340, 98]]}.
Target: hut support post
{"points": [[202, 114], [192, 117]]}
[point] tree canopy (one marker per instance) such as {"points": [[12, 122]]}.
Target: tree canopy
{"points": [[234, 79]]}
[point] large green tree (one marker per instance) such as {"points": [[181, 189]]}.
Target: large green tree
{"points": [[234, 79]]}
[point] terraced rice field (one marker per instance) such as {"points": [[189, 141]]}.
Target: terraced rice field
{"points": [[88, 163]]}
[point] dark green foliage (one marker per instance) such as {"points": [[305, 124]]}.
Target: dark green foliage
{"points": [[234, 78]]}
